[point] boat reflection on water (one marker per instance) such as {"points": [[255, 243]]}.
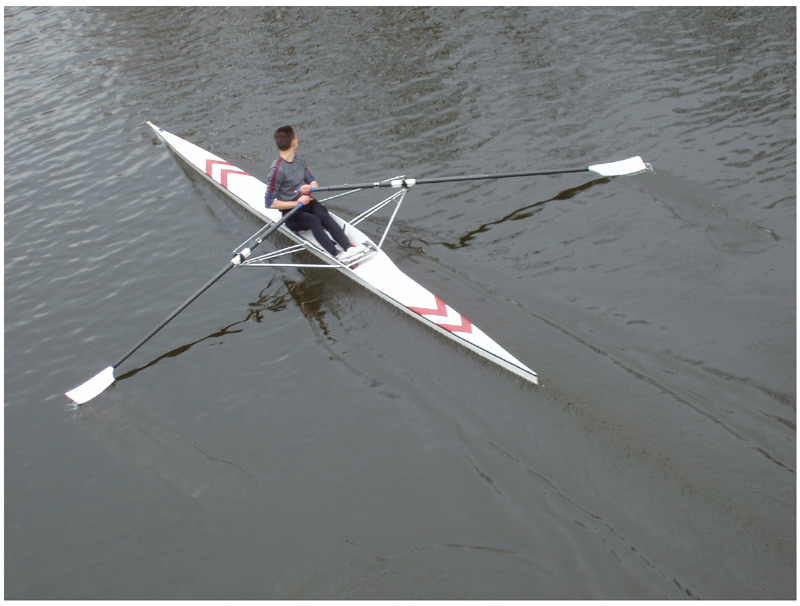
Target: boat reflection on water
{"points": [[308, 294]]}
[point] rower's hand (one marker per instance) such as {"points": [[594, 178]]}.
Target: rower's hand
{"points": [[304, 200], [305, 189]]}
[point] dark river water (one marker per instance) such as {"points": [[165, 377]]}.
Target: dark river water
{"points": [[290, 435]]}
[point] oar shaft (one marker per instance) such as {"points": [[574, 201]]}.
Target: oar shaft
{"points": [[171, 316], [610, 169], [105, 378], [237, 259], [410, 182], [537, 173]]}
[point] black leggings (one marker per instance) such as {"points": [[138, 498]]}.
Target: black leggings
{"points": [[315, 216]]}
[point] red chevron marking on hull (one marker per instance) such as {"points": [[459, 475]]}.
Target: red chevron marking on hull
{"points": [[223, 176], [440, 311]]}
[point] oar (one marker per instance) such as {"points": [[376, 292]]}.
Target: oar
{"points": [[609, 169], [102, 380]]}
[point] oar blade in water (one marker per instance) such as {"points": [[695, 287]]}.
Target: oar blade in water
{"points": [[620, 168], [93, 387]]}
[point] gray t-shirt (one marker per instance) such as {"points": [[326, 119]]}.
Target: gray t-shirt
{"points": [[285, 178]]}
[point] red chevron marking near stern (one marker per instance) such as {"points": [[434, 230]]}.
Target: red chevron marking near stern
{"points": [[440, 311], [223, 176]]}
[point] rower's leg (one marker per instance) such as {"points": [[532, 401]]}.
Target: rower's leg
{"points": [[303, 220], [318, 210]]}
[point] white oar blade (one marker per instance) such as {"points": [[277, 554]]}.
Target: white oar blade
{"points": [[622, 167], [93, 387]]}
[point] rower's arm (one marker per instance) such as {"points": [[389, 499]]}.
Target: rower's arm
{"points": [[283, 204]]}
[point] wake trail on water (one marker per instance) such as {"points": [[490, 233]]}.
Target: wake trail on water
{"points": [[699, 207], [154, 448]]}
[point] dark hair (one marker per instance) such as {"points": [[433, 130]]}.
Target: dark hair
{"points": [[283, 137]]}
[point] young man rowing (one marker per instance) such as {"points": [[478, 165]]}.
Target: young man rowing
{"points": [[289, 183]]}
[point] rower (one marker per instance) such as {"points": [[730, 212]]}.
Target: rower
{"points": [[289, 184]]}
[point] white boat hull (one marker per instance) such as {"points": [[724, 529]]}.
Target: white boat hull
{"points": [[378, 273]]}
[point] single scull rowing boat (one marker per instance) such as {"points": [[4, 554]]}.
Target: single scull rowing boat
{"points": [[375, 271]]}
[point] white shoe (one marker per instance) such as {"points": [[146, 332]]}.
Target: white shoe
{"points": [[351, 253], [344, 256]]}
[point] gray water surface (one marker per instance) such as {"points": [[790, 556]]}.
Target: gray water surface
{"points": [[290, 435]]}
